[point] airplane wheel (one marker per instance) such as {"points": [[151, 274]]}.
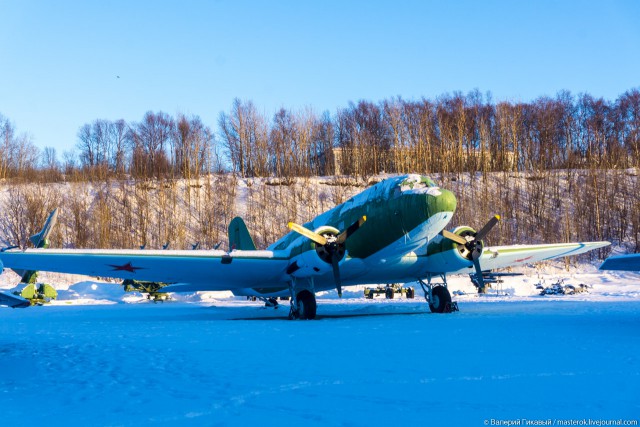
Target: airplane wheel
{"points": [[441, 299], [307, 305]]}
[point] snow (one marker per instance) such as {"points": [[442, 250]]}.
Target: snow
{"points": [[212, 359]]}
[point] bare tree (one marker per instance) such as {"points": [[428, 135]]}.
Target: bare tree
{"points": [[25, 209], [148, 140], [244, 134]]}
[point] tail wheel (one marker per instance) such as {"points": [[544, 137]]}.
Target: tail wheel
{"points": [[306, 305], [440, 299]]}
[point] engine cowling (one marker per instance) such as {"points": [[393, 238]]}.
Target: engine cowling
{"points": [[445, 254], [317, 262]]}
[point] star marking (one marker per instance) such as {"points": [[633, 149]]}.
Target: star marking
{"points": [[125, 267]]}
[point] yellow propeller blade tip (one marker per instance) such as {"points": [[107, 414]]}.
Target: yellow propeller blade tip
{"points": [[290, 224], [498, 217], [364, 217]]}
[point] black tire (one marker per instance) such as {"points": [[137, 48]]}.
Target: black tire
{"points": [[307, 305], [410, 293], [440, 299]]}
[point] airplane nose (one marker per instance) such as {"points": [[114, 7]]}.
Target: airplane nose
{"points": [[443, 202]]}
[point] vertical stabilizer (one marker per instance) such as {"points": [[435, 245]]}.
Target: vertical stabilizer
{"points": [[41, 240], [239, 237]]}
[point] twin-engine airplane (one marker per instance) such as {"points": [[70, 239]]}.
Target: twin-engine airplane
{"points": [[392, 232]]}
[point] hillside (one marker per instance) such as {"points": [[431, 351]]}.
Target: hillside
{"points": [[550, 206]]}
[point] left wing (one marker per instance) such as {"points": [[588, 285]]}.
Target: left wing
{"points": [[497, 257], [205, 270]]}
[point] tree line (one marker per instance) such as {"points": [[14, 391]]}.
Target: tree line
{"points": [[454, 133], [556, 169]]}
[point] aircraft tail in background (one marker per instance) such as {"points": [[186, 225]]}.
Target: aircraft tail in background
{"points": [[41, 240]]}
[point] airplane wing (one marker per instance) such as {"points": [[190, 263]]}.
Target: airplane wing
{"points": [[506, 256], [622, 263], [207, 270], [496, 257]]}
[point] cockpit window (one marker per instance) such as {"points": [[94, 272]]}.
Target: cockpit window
{"points": [[416, 182]]}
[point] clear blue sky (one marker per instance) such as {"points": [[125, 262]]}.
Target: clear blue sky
{"points": [[59, 60]]}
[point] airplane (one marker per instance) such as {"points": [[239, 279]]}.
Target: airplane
{"points": [[392, 232], [34, 294], [629, 262]]}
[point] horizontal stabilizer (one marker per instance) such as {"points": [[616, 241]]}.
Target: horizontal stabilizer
{"points": [[13, 301]]}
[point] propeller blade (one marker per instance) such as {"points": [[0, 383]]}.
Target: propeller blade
{"points": [[487, 227], [342, 237], [336, 273], [308, 233], [451, 236]]}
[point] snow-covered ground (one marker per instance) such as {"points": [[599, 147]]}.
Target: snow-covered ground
{"points": [[100, 357]]}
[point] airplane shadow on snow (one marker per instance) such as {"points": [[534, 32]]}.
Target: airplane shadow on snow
{"points": [[336, 316]]}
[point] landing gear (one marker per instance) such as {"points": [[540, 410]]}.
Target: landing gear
{"points": [[440, 300], [303, 303], [438, 296], [306, 305]]}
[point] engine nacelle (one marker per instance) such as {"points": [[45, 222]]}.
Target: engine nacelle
{"points": [[316, 262], [445, 254]]}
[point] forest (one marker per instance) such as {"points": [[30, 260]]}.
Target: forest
{"points": [[556, 169]]}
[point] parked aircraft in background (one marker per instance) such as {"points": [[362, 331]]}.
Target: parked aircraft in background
{"points": [[392, 232], [33, 293], [630, 262]]}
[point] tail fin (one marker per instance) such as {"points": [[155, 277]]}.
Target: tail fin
{"points": [[239, 237], [41, 240]]}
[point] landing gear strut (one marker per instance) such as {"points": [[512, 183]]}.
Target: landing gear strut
{"points": [[438, 296]]}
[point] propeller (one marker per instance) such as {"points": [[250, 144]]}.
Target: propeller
{"points": [[471, 245], [330, 248]]}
